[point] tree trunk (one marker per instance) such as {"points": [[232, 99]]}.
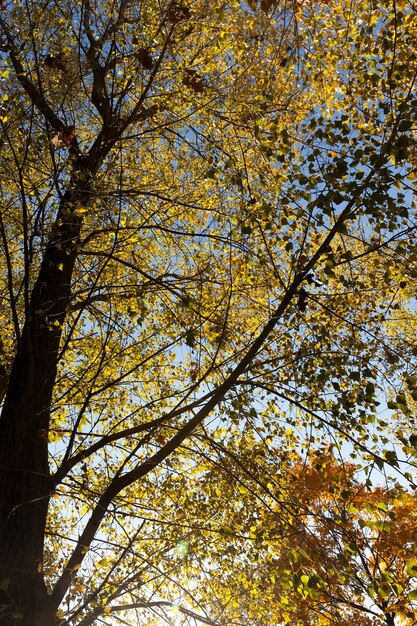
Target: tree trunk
{"points": [[24, 424]]}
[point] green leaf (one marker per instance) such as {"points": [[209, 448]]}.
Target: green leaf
{"points": [[384, 591], [398, 589], [411, 568]]}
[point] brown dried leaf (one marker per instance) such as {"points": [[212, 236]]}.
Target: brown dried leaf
{"points": [[63, 139], [55, 62], [178, 12], [144, 58], [193, 80]]}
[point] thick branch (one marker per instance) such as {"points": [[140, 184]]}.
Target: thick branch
{"points": [[163, 603], [90, 619], [121, 482], [66, 467]]}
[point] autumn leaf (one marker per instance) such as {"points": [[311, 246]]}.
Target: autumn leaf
{"points": [[178, 12], [64, 138], [144, 58], [193, 80]]}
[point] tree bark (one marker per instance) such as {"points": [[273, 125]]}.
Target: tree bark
{"points": [[25, 486]]}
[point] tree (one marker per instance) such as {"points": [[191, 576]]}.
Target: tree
{"points": [[207, 228], [321, 548]]}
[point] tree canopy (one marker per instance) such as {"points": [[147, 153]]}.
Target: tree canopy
{"points": [[208, 345]]}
